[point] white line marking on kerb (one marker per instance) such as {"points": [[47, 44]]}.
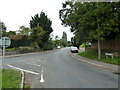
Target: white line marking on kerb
{"points": [[42, 80], [91, 63], [23, 70]]}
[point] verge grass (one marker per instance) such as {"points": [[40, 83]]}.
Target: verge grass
{"points": [[11, 78], [92, 54]]}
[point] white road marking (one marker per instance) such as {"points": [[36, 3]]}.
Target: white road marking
{"points": [[33, 64], [38, 60], [23, 70], [42, 80], [91, 63]]}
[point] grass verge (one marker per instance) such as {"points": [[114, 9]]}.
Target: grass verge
{"points": [[0, 79], [11, 78], [92, 54]]}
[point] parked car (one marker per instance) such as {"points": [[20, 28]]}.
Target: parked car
{"points": [[58, 47], [74, 50]]}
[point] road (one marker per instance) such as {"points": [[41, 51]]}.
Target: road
{"points": [[57, 69]]}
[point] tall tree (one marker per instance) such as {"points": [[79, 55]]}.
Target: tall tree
{"points": [[43, 21], [64, 39], [2, 29], [91, 20]]}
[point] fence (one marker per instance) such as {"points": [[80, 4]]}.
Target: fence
{"points": [[113, 45]]}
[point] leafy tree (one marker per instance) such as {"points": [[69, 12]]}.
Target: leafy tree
{"points": [[44, 22], [64, 39], [2, 26], [64, 36], [10, 33], [91, 20], [56, 37], [24, 31], [2, 29], [36, 36]]}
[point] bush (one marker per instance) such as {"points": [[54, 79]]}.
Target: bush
{"points": [[48, 46], [83, 45], [12, 48], [24, 50]]}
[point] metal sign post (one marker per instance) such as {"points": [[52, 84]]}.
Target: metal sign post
{"points": [[4, 43]]}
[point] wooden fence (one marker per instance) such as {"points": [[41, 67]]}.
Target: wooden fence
{"points": [[108, 45]]}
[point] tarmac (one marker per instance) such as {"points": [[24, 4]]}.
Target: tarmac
{"points": [[111, 67]]}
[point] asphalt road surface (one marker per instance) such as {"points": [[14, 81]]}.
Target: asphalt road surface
{"points": [[57, 69]]}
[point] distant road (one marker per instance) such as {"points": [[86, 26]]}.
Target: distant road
{"points": [[57, 69]]}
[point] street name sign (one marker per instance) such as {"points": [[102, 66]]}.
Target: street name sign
{"points": [[5, 42]]}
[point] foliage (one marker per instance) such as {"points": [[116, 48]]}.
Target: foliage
{"points": [[44, 22], [64, 39], [83, 45], [12, 48], [7, 34], [92, 54], [36, 37], [19, 40], [48, 46], [91, 20], [2, 26], [24, 31]]}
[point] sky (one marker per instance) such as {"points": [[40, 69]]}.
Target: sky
{"points": [[15, 13]]}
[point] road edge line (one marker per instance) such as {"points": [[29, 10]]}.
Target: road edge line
{"points": [[22, 81], [98, 65]]}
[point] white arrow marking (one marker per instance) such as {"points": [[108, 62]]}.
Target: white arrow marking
{"points": [[42, 80], [23, 70]]}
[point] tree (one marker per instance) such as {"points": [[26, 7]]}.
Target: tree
{"points": [[91, 21], [64, 39], [44, 22], [2, 29], [24, 31], [10, 33], [36, 36], [2, 26], [56, 37]]}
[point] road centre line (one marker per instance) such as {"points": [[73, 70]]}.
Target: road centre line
{"points": [[23, 69]]}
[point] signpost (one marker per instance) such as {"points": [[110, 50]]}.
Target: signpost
{"points": [[4, 43]]}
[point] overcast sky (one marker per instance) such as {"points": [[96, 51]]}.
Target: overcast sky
{"points": [[15, 13]]}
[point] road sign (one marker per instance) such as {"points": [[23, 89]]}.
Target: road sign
{"points": [[5, 42]]}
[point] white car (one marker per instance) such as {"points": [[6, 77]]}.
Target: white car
{"points": [[58, 47], [74, 50]]}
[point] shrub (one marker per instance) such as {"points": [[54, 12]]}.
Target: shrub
{"points": [[83, 45]]}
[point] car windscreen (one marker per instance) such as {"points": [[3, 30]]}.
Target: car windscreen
{"points": [[74, 48]]}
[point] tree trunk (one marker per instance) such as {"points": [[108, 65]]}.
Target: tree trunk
{"points": [[99, 50]]}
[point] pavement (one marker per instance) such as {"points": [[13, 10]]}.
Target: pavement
{"points": [[61, 69]]}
